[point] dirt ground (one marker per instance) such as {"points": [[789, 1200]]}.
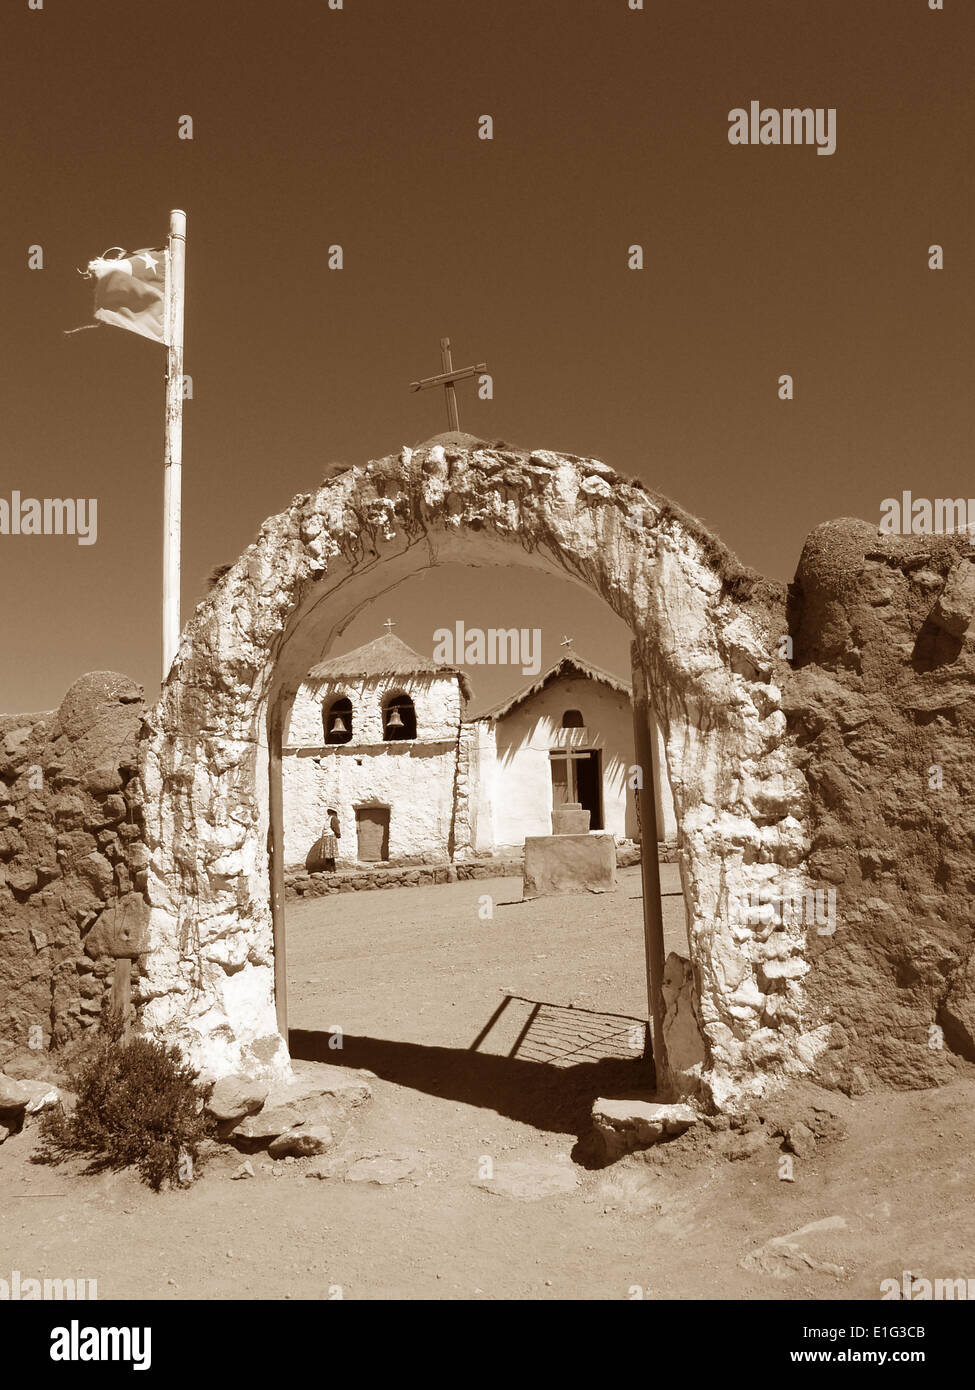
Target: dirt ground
{"points": [[414, 977]]}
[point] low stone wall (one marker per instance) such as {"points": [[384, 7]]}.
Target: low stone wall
{"points": [[73, 862], [305, 885], [299, 883]]}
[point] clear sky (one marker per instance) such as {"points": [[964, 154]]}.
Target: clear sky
{"points": [[359, 126]]}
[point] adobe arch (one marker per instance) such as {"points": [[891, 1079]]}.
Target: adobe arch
{"points": [[703, 626]]}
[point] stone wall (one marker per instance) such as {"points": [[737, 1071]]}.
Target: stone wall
{"points": [[73, 864], [705, 628], [842, 766], [882, 708]]}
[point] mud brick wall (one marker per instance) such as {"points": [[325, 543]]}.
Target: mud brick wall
{"points": [[882, 706], [73, 863]]}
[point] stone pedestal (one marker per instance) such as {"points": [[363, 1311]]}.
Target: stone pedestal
{"points": [[569, 864], [570, 819]]}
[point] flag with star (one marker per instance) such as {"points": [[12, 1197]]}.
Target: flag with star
{"points": [[130, 290]]}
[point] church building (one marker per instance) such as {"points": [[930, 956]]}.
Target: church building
{"points": [[380, 748]]}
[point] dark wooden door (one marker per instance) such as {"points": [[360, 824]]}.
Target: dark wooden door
{"points": [[589, 787], [372, 828]]}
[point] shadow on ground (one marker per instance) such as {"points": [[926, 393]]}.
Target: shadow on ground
{"points": [[549, 1097]]}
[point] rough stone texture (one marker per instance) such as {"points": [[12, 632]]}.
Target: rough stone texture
{"points": [[847, 767], [72, 862], [881, 706], [530, 1179], [686, 1051], [635, 1122], [565, 863], [570, 820], [233, 1097], [705, 628], [302, 1143]]}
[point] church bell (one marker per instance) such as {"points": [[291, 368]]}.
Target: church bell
{"points": [[338, 725], [395, 719]]}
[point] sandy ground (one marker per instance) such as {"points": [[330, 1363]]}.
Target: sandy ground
{"points": [[414, 977]]}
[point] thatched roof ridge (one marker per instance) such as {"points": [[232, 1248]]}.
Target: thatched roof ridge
{"points": [[385, 656], [568, 665]]}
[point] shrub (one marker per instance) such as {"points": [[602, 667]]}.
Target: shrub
{"points": [[138, 1106]]}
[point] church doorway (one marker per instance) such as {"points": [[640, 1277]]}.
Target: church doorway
{"points": [[589, 786], [577, 777]]}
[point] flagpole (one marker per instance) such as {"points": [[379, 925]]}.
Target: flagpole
{"points": [[173, 457]]}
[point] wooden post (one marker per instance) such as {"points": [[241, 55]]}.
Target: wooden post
{"points": [[173, 458], [453, 419], [276, 815], [653, 921]]}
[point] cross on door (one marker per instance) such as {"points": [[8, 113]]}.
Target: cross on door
{"points": [[446, 379]]}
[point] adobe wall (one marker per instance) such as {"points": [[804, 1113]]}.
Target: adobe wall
{"points": [[73, 862]]}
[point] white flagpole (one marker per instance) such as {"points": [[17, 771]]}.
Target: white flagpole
{"points": [[173, 459]]}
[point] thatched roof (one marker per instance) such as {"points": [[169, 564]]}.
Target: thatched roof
{"points": [[386, 656], [568, 665]]}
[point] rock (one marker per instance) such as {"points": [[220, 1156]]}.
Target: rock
{"points": [[44, 1095], [96, 870], [267, 1124], [303, 1142], [744, 1145], [783, 1257], [102, 780], [14, 1095], [113, 810], [120, 930], [322, 1079], [384, 1170], [235, 1096], [4, 1133], [530, 1180], [22, 879], [636, 1123], [955, 606], [246, 1170], [801, 1141]]}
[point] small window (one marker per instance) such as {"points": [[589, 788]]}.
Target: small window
{"points": [[337, 720], [399, 719], [572, 719]]}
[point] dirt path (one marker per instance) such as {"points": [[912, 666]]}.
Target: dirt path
{"points": [[412, 976]]}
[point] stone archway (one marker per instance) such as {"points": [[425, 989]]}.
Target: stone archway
{"points": [[705, 628]]}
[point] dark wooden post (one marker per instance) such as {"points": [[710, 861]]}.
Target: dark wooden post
{"points": [[276, 814], [653, 921]]}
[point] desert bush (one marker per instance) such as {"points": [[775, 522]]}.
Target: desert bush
{"points": [[139, 1106]]}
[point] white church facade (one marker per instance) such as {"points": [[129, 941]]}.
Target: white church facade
{"points": [[380, 748]]}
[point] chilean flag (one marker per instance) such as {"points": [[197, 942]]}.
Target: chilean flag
{"points": [[130, 291]]}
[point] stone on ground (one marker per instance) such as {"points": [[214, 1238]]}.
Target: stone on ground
{"points": [[267, 1124], [14, 1095], [316, 1079], [383, 1169], [782, 1256], [529, 1180], [302, 1142], [235, 1096], [636, 1122]]}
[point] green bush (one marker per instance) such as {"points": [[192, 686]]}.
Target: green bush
{"points": [[139, 1106]]}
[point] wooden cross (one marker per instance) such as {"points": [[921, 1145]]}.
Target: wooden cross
{"points": [[389, 625], [566, 642], [446, 379]]}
